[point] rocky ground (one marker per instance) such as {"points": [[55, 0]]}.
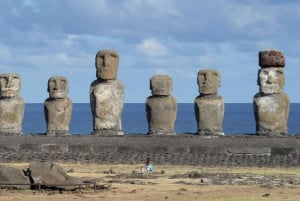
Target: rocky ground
{"points": [[126, 182]]}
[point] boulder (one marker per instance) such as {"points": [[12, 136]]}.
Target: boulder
{"points": [[51, 175], [10, 175]]}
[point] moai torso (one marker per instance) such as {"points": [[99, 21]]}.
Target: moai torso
{"points": [[271, 113], [107, 105], [11, 105], [58, 107], [209, 107], [271, 104], [161, 107], [107, 95]]}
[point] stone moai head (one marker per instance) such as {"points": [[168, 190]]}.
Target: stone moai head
{"points": [[107, 62], [10, 85], [271, 75], [58, 87], [161, 85], [209, 81]]}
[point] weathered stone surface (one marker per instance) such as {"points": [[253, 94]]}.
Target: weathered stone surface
{"points": [[52, 148], [209, 107], [271, 80], [209, 115], [271, 58], [253, 150], [271, 105], [161, 114], [58, 115], [181, 149], [10, 175], [52, 175], [58, 87], [11, 104], [107, 95], [161, 85], [107, 100], [58, 107], [106, 63], [271, 113], [208, 81]]}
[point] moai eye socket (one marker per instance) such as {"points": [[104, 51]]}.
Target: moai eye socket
{"points": [[100, 61], [279, 72]]}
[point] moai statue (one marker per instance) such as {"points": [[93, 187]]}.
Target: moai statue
{"points": [[11, 104], [271, 103], [209, 106], [161, 107], [107, 95], [58, 107]]}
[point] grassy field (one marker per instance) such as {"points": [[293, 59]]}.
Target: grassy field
{"points": [[161, 185]]}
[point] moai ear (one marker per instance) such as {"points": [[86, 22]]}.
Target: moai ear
{"points": [[258, 81]]}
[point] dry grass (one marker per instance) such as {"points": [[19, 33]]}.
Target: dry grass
{"points": [[164, 188]]}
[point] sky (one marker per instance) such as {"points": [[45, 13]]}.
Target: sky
{"points": [[44, 38]]}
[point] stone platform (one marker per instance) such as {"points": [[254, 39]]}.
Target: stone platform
{"points": [[183, 149]]}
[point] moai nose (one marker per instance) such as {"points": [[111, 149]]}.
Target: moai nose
{"points": [[9, 81], [270, 79]]}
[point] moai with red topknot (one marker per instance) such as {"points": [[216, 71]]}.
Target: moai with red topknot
{"points": [[271, 104]]}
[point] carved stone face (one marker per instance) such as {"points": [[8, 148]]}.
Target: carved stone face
{"points": [[58, 87], [10, 85], [271, 80], [107, 62], [161, 85], [208, 81]]}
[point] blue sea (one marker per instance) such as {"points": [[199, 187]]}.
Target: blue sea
{"points": [[238, 119]]}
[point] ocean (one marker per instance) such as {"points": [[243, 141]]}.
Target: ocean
{"points": [[238, 119]]}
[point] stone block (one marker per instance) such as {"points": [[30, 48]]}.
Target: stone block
{"points": [[30, 148], [80, 148], [9, 147], [271, 58], [178, 149], [110, 149], [53, 148], [249, 150], [208, 150], [149, 149], [283, 151]]}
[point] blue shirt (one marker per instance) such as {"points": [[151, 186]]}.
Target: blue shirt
{"points": [[149, 167]]}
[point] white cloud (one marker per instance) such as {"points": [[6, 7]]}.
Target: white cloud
{"points": [[152, 48], [152, 36], [69, 40]]}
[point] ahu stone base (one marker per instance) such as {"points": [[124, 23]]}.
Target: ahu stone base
{"points": [[181, 149]]}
